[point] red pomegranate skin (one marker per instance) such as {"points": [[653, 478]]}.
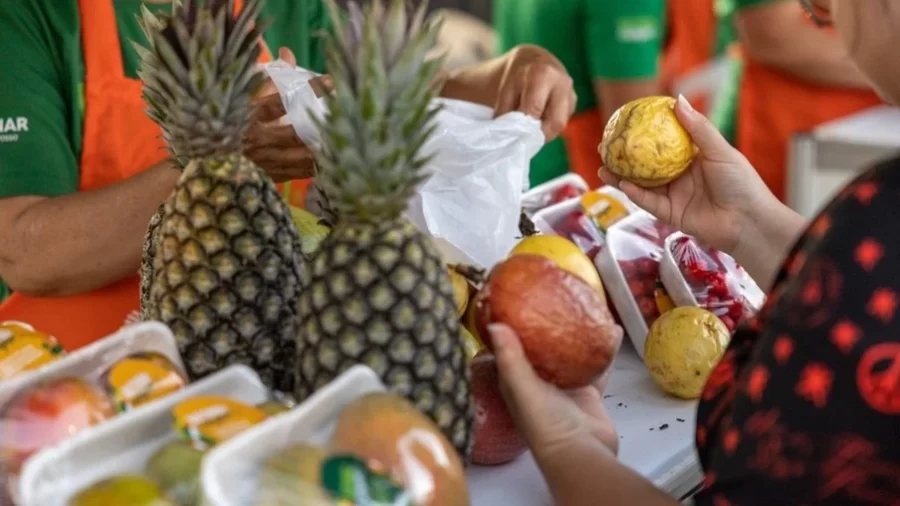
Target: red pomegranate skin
{"points": [[565, 327], [497, 440]]}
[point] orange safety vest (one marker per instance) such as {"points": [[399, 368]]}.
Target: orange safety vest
{"points": [[120, 141], [692, 29], [774, 106]]}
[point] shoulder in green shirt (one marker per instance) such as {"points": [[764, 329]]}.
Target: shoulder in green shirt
{"points": [[42, 104]]}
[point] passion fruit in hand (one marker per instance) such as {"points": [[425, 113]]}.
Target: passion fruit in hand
{"points": [[564, 324], [644, 143]]}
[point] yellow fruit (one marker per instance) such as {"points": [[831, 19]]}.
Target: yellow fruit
{"points": [[312, 231], [472, 344], [645, 144], [564, 253], [683, 347], [460, 291]]}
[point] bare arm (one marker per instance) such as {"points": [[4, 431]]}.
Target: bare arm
{"points": [[767, 239], [777, 34], [615, 94], [589, 474], [79, 242]]}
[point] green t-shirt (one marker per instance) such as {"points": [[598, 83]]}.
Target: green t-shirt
{"points": [[609, 39], [42, 78]]}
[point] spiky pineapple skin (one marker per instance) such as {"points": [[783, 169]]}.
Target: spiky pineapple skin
{"points": [[148, 251], [227, 271], [380, 296]]}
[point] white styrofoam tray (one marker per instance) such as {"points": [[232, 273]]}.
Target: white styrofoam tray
{"points": [[230, 471], [93, 360], [533, 199], [547, 218], [125, 443]]}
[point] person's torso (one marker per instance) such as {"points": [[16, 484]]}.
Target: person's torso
{"points": [[293, 25], [290, 27], [804, 406], [555, 25]]}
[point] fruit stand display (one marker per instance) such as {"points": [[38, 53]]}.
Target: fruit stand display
{"points": [[356, 315]]}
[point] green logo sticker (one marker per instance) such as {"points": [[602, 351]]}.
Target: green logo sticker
{"points": [[637, 29], [351, 483]]}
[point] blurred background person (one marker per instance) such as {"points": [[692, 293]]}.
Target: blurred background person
{"points": [[793, 77], [615, 51]]}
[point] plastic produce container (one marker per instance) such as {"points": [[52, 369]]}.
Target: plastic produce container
{"points": [[230, 470], [723, 287], [629, 268], [541, 196], [125, 443]]}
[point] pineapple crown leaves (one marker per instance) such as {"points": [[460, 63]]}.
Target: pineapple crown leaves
{"points": [[200, 76], [380, 113]]}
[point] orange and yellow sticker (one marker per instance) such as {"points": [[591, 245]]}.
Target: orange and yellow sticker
{"points": [[24, 349], [209, 420], [603, 210], [139, 379]]}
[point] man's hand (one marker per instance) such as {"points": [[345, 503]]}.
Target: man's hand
{"points": [[273, 145], [527, 79], [536, 83]]}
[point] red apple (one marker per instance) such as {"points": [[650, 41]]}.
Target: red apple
{"points": [[497, 440], [565, 326], [45, 415]]}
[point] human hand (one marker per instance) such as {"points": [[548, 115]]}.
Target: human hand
{"points": [[274, 146], [717, 199], [553, 421], [536, 83]]}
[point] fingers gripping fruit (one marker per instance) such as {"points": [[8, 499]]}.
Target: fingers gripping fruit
{"points": [[564, 324], [644, 143], [683, 347]]}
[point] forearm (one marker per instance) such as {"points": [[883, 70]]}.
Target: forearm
{"points": [[614, 94], [800, 49], [79, 242], [481, 83], [766, 241], [590, 474]]}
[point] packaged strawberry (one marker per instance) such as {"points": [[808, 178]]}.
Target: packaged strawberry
{"points": [[698, 275], [585, 219], [629, 267]]}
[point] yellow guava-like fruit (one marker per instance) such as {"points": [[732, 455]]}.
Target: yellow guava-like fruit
{"points": [[460, 291], [644, 143], [683, 347], [564, 253]]}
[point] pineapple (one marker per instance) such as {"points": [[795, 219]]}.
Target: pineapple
{"points": [[379, 293], [223, 265]]}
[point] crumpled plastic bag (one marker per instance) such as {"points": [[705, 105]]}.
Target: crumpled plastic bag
{"points": [[471, 203]]}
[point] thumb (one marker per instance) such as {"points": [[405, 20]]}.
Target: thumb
{"points": [[518, 381], [288, 56], [704, 134]]}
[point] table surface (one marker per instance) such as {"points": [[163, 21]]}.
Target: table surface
{"points": [[656, 439]]}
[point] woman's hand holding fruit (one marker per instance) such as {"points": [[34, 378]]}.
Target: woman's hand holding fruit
{"points": [[722, 201], [552, 420]]}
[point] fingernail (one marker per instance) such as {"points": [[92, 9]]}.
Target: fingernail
{"points": [[684, 103], [498, 337]]}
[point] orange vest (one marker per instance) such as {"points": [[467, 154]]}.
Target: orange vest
{"points": [[692, 29], [775, 105], [120, 141]]}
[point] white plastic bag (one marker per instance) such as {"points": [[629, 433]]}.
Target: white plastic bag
{"points": [[471, 203]]}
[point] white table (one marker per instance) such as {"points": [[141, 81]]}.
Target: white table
{"points": [[665, 455], [824, 160]]}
